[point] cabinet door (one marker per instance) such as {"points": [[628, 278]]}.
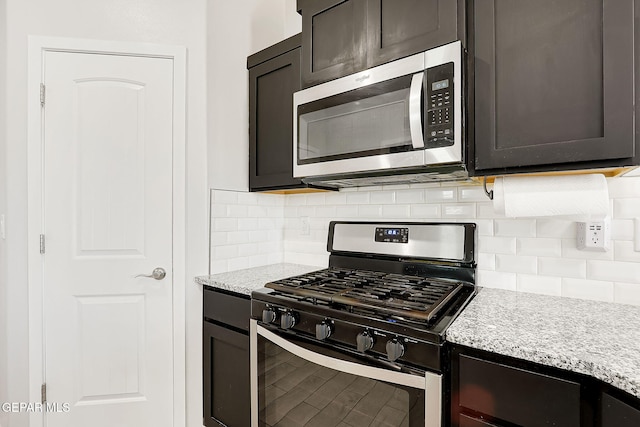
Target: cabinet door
{"points": [[553, 82], [271, 87], [399, 28], [616, 413], [516, 395], [333, 39], [226, 382]]}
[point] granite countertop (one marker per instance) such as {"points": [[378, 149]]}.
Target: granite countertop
{"points": [[248, 280], [594, 338]]}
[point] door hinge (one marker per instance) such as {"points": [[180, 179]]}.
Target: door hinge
{"points": [[43, 392], [42, 91], [42, 243]]}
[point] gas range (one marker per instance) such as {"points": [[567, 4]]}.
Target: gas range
{"points": [[389, 294]]}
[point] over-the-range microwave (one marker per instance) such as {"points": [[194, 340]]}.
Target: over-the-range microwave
{"points": [[400, 122]]}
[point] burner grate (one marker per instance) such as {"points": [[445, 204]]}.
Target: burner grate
{"points": [[383, 293]]}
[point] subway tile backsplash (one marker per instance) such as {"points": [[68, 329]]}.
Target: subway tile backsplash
{"points": [[537, 255]]}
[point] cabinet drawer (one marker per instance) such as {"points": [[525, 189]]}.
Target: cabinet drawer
{"points": [[616, 413], [228, 309], [518, 396]]}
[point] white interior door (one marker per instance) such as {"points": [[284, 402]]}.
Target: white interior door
{"points": [[107, 218]]}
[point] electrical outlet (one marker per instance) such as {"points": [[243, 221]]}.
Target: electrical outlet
{"points": [[305, 229], [594, 235]]}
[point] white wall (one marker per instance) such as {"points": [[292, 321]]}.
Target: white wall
{"points": [[235, 31], [3, 192], [535, 255], [176, 22]]}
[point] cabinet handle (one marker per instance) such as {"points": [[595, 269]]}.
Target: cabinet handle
{"points": [[415, 111]]}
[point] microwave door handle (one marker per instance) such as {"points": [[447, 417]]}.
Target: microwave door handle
{"points": [[415, 111]]}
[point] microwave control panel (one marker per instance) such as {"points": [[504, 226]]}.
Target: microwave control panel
{"points": [[439, 130]]}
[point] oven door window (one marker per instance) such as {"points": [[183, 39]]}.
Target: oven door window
{"points": [[368, 121], [293, 391]]}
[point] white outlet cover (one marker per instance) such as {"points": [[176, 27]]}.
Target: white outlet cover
{"points": [[594, 235]]}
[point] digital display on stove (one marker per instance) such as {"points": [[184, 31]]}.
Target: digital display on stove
{"points": [[392, 235]]}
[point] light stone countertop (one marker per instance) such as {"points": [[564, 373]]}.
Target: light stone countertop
{"points": [[594, 338], [248, 280]]}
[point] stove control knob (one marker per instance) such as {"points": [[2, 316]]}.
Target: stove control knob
{"points": [[364, 341], [395, 349], [269, 315], [287, 320], [324, 329]]}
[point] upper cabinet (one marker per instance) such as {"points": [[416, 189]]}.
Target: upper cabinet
{"points": [[552, 84], [274, 75], [341, 37]]}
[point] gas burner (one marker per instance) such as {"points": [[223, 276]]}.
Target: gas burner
{"points": [[397, 295]]}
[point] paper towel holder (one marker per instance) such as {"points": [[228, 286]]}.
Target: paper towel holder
{"points": [[488, 193]]}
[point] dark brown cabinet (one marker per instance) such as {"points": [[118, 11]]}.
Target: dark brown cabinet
{"points": [[616, 413], [490, 390], [341, 37], [514, 395], [274, 75], [553, 84], [226, 381]]}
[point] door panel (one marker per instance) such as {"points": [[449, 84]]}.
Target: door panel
{"points": [[108, 218], [553, 82], [399, 28]]}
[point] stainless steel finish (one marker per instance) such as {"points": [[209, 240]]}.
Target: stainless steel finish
{"points": [[42, 94], [401, 67], [442, 241], [451, 52], [415, 111], [253, 370], [336, 173], [42, 245], [158, 273], [407, 159], [433, 401], [379, 374], [435, 174]]}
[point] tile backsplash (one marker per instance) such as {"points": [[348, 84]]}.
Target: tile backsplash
{"points": [[536, 255]]}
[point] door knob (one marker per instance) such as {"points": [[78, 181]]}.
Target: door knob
{"points": [[157, 273]]}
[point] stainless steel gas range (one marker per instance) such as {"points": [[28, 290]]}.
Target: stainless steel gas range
{"points": [[362, 342]]}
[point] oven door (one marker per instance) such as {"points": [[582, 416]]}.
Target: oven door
{"points": [[297, 383]]}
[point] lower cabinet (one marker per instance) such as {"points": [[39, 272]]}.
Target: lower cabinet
{"points": [[616, 413], [226, 382], [492, 390]]}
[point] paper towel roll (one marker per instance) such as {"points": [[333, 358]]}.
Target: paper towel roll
{"points": [[576, 195]]}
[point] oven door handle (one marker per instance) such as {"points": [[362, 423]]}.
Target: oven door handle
{"points": [[415, 111]]}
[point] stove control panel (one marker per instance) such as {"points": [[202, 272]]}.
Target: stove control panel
{"points": [[392, 234], [269, 315], [288, 320], [364, 341], [324, 329], [395, 349], [348, 333]]}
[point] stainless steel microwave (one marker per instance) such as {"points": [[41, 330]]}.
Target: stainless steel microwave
{"points": [[400, 122]]}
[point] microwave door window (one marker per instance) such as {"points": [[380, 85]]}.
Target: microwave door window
{"points": [[372, 125]]}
